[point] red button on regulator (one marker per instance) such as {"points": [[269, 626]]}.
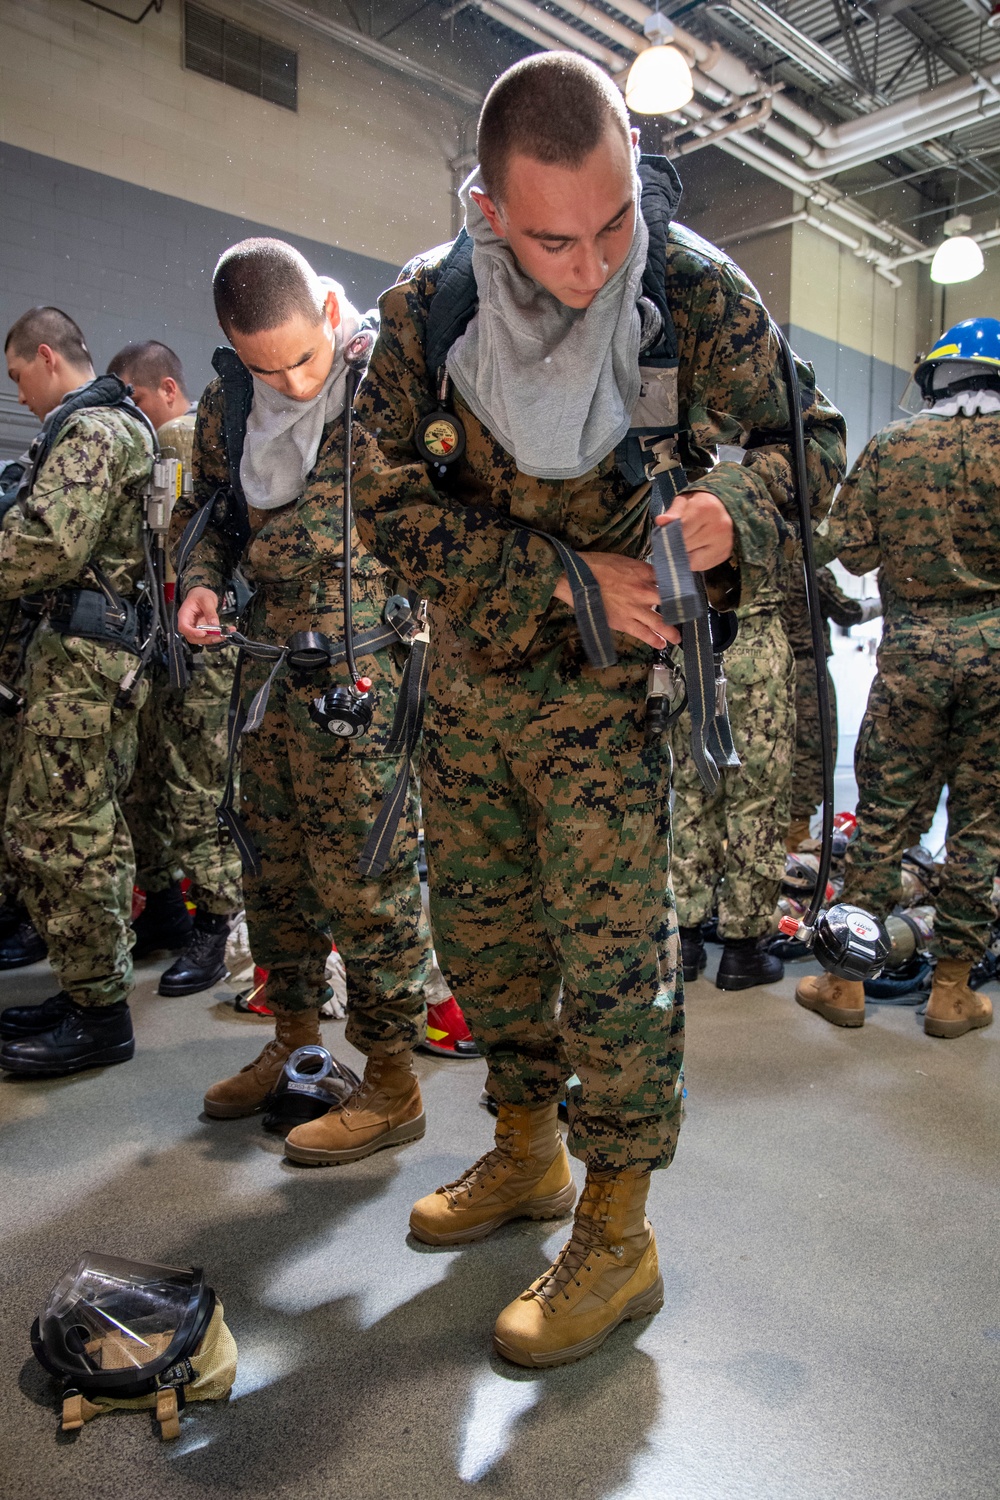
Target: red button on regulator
{"points": [[364, 684], [789, 926]]}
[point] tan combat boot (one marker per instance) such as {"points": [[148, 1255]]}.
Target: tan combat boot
{"points": [[798, 832], [953, 1008], [840, 1001], [386, 1110], [525, 1176], [606, 1274], [246, 1091]]}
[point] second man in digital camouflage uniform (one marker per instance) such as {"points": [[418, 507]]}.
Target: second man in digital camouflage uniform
{"points": [[72, 540], [308, 798], [922, 504], [547, 814], [807, 771], [729, 844], [181, 770]]}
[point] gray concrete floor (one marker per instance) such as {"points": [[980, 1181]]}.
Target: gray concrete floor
{"points": [[828, 1233]]}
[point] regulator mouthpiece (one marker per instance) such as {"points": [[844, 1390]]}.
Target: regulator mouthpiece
{"points": [[849, 943]]}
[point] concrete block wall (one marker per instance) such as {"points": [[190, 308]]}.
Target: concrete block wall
{"points": [[128, 263], [363, 163]]}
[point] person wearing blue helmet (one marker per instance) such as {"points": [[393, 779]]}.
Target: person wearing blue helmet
{"points": [[922, 504]]}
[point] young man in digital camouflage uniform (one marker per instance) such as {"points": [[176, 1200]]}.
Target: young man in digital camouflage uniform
{"points": [[307, 797], [922, 504], [181, 770], [65, 831], [546, 812]]}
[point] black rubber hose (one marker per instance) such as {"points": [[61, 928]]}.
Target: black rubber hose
{"points": [[801, 486], [353, 381]]}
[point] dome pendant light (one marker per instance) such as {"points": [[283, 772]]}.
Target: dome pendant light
{"points": [[659, 81], [959, 258]]}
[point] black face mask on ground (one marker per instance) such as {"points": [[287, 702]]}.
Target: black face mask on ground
{"points": [[123, 1334], [311, 1084]]}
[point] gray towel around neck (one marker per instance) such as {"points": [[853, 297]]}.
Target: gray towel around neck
{"points": [[283, 436], [555, 385]]}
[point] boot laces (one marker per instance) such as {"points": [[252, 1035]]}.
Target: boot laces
{"points": [[488, 1165], [587, 1237], [202, 946]]}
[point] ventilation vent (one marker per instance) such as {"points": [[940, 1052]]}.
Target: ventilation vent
{"points": [[232, 54]]}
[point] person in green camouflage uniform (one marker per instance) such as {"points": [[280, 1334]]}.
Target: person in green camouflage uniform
{"points": [[307, 797], [65, 831], [729, 844], [807, 770], [922, 504], [181, 769], [546, 813]]}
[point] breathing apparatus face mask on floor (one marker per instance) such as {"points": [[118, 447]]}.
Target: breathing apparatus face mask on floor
{"points": [[123, 1334]]}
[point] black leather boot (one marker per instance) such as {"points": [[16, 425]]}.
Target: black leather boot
{"points": [[23, 946], [203, 961], [90, 1036], [693, 953], [746, 962], [28, 1020], [12, 914], [164, 922]]}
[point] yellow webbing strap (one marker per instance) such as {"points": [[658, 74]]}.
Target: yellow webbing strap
{"points": [[166, 1412], [76, 1410]]}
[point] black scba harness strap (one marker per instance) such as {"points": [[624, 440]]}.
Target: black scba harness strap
{"points": [[403, 736], [647, 453], [100, 614], [227, 512]]}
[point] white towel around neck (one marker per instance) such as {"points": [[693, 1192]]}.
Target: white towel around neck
{"points": [[283, 436], [555, 385]]}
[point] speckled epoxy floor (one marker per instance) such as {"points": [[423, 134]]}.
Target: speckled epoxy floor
{"points": [[829, 1234]]}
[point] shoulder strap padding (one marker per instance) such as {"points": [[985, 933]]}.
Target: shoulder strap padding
{"points": [[453, 304], [237, 399]]}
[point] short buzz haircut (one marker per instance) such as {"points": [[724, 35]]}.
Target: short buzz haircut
{"points": [[148, 364], [48, 325], [554, 107], [261, 283]]}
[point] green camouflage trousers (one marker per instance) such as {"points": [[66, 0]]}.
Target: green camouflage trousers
{"points": [[65, 832], [932, 715], [807, 770], [179, 778], [548, 838], [309, 800], [730, 843]]}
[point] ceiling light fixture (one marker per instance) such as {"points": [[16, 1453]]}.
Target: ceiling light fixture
{"points": [[959, 258], [659, 81]]}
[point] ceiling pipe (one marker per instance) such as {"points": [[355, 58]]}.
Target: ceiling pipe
{"points": [[833, 148], [986, 239], [542, 23], [386, 57]]}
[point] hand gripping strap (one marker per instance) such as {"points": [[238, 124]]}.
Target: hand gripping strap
{"points": [[588, 605]]}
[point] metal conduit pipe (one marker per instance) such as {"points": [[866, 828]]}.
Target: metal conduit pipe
{"points": [[834, 146], [565, 34], [986, 239]]}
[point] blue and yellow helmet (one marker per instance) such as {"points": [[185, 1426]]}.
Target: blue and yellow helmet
{"points": [[975, 340]]}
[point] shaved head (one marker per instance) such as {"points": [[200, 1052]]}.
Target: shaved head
{"points": [[555, 108]]}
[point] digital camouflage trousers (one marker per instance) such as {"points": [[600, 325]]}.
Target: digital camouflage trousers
{"points": [[729, 845], [179, 778], [548, 838], [65, 832], [309, 800], [932, 717]]}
